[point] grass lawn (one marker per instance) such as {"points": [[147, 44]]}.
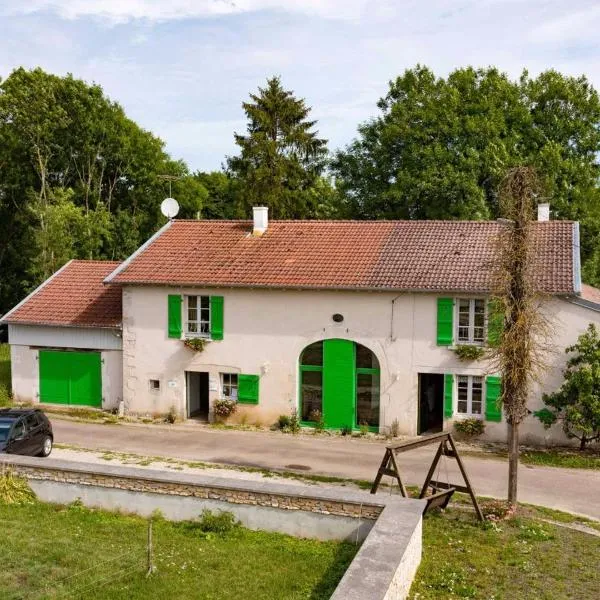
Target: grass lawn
{"points": [[50, 551], [4, 375], [520, 558], [570, 458]]}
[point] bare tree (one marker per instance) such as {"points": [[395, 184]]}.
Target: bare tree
{"points": [[519, 356]]}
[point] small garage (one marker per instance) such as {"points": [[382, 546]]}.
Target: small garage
{"points": [[65, 339]]}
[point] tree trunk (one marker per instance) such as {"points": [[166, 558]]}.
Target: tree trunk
{"points": [[513, 462], [582, 442]]}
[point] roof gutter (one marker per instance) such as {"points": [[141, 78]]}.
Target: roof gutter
{"points": [[141, 249], [576, 260]]}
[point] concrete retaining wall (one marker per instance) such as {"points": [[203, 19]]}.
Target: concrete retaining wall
{"points": [[390, 526]]}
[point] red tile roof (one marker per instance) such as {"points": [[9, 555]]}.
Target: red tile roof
{"points": [[74, 296], [375, 255]]}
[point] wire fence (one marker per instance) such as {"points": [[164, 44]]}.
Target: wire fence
{"points": [[82, 583]]}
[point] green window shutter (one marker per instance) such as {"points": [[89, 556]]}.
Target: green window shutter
{"points": [[493, 389], [248, 389], [448, 392], [175, 316], [495, 323], [445, 314], [216, 317]]}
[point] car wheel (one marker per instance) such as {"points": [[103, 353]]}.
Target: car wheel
{"points": [[46, 446]]}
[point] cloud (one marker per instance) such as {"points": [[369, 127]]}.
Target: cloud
{"points": [[124, 11], [573, 25]]}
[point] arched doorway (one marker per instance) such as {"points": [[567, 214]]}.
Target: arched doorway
{"points": [[339, 380]]}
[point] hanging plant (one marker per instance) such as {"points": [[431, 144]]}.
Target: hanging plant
{"points": [[466, 352], [195, 344]]}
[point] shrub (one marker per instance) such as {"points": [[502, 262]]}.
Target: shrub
{"points": [[224, 408], [346, 430], [470, 427], [294, 422], [364, 428], [317, 417], [284, 422], [577, 402], [195, 344], [171, 415], [221, 523], [14, 489], [395, 428], [467, 352]]}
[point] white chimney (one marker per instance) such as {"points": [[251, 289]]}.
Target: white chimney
{"points": [[261, 219], [543, 212]]}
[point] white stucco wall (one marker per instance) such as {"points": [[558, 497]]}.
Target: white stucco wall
{"points": [[25, 375], [266, 330]]}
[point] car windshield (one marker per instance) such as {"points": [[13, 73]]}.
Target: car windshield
{"points": [[4, 429]]}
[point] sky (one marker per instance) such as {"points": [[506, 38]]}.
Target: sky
{"points": [[182, 68]]}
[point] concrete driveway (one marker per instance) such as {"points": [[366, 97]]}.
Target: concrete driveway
{"points": [[573, 490]]}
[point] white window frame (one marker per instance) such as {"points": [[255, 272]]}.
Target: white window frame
{"points": [[471, 337], [198, 321], [470, 414], [230, 385]]}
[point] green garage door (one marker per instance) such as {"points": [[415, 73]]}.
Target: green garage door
{"points": [[70, 378]]}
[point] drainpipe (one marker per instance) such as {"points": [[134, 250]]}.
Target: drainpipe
{"points": [[392, 338]]}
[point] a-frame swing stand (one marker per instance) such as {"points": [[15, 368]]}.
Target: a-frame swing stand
{"points": [[441, 491]]}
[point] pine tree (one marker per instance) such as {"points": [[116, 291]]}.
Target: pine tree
{"points": [[281, 156]]}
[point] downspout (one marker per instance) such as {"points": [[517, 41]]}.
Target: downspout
{"points": [[576, 260]]}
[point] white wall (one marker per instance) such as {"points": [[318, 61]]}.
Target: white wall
{"points": [[88, 338], [266, 330], [25, 375]]}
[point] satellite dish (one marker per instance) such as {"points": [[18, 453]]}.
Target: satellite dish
{"points": [[169, 207]]}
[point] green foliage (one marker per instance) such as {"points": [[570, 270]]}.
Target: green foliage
{"points": [[364, 429], [440, 147], [195, 344], [468, 352], [294, 422], [78, 179], [5, 380], [14, 489], [346, 430], [281, 157], [577, 403], [220, 523], [283, 422], [224, 408], [470, 427]]}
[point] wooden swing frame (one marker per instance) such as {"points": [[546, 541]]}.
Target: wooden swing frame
{"points": [[441, 491]]}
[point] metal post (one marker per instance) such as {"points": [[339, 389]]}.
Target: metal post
{"points": [[150, 550]]}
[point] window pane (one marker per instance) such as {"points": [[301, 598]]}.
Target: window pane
{"points": [[204, 327], [463, 388], [463, 319], [463, 334], [367, 399], [204, 301], [192, 314], [476, 408], [192, 301], [365, 359], [478, 334], [313, 355], [311, 390], [204, 314], [462, 406], [464, 305], [192, 327]]}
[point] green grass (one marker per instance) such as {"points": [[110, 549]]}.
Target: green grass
{"points": [[5, 385], [49, 551], [569, 458], [520, 558]]}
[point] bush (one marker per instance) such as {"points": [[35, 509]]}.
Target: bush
{"points": [[364, 428], [284, 422], [14, 489], [470, 427], [294, 422], [316, 416], [224, 408], [346, 430], [395, 428], [221, 523], [577, 402], [467, 352], [171, 415], [195, 344]]}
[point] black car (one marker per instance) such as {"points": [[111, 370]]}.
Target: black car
{"points": [[25, 431]]}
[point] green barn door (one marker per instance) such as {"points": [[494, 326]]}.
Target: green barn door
{"points": [[70, 378], [339, 383]]}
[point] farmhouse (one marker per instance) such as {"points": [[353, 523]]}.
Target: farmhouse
{"points": [[354, 322]]}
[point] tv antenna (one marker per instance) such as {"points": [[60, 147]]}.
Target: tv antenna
{"points": [[169, 207]]}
